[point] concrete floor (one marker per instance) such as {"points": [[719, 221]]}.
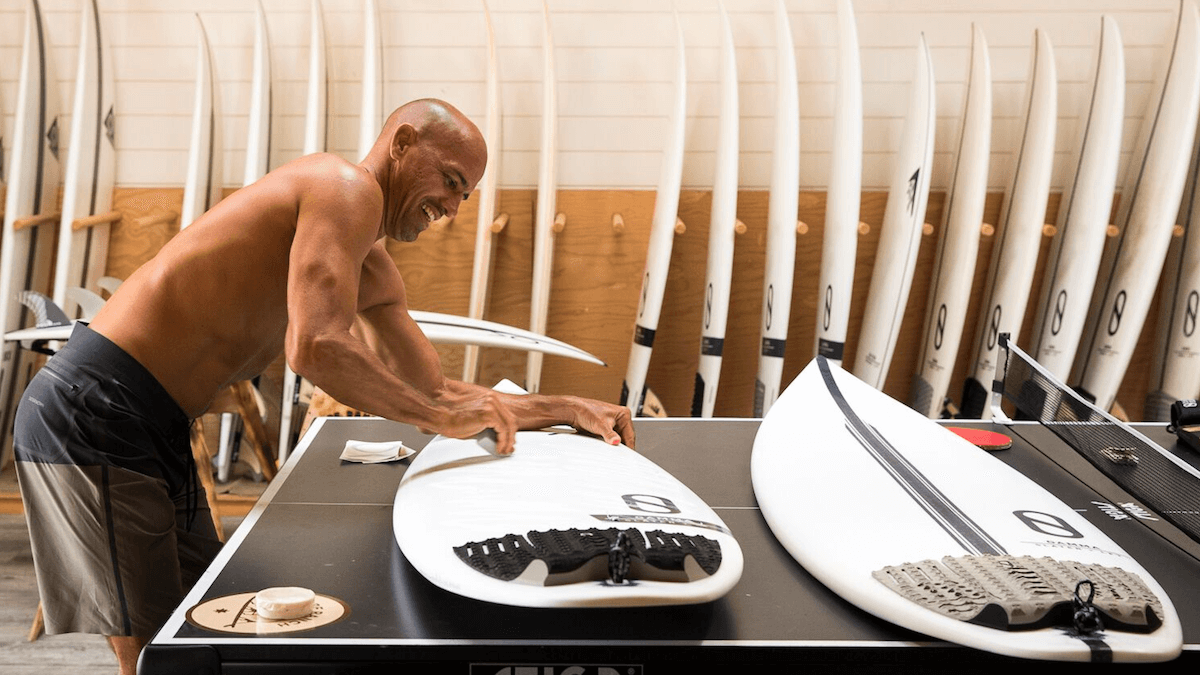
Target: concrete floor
{"points": [[49, 655]]}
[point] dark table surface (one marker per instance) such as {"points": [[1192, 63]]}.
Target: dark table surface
{"points": [[326, 524]]}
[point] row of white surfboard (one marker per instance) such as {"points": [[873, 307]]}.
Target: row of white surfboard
{"points": [[1150, 198], [1085, 332]]}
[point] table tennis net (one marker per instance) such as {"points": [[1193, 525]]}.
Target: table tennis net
{"points": [[1161, 481]]}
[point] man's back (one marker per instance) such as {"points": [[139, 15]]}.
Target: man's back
{"points": [[211, 307]]}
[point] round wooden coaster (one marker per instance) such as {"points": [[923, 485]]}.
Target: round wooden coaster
{"points": [[236, 614]]}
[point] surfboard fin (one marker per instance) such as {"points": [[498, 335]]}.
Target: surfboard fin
{"points": [[556, 557], [45, 312], [1023, 592]]}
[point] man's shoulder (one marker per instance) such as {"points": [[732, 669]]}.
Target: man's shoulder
{"points": [[328, 173]]}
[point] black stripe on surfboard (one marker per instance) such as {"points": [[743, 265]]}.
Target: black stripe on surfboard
{"points": [[937, 505], [1120, 245]]}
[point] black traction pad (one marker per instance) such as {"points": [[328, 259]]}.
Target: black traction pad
{"points": [[506, 557], [1023, 592]]}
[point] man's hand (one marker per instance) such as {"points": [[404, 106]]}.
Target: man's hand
{"points": [[613, 423], [471, 412], [472, 408]]}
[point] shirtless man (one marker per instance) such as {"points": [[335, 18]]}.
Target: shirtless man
{"points": [[287, 263]]}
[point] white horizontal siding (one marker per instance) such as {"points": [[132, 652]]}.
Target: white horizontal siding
{"points": [[614, 63]]}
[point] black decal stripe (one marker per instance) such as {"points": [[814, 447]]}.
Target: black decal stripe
{"points": [[937, 505], [643, 336], [773, 347]]}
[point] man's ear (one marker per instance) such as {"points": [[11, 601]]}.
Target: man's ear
{"points": [[404, 136]]}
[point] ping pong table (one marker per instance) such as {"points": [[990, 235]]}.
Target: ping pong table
{"points": [[326, 524]]}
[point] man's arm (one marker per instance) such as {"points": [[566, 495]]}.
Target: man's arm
{"points": [[395, 337], [337, 224]]}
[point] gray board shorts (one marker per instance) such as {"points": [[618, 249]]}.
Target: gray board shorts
{"points": [[119, 524]]}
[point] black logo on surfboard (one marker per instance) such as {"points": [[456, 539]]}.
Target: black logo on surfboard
{"points": [[912, 190], [1118, 309], [770, 306], [828, 313], [1189, 314], [994, 328], [939, 330], [1047, 524], [1060, 309]]}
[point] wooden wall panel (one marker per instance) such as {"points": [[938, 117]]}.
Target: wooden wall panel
{"points": [[597, 278]]}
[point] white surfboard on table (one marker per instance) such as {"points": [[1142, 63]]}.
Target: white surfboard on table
{"points": [[535, 528], [905, 500]]}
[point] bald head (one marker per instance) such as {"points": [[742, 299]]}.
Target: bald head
{"points": [[430, 116], [428, 158]]}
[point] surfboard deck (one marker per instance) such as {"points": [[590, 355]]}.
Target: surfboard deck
{"points": [[481, 269], [662, 239], [1019, 230], [258, 130], [1130, 267], [316, 122], [782, 209], [91, 166], [534, 529], [32, 175], [1084, 212], [371, 105], [958, 248], [902, 497], [839, 247], [202, 185], [546, 207], [900, 234]]}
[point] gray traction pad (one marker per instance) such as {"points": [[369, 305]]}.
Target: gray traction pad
{"points": [[1023, 592]]}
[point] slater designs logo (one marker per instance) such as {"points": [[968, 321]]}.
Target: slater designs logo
{"points": [[770, 306], [939, 330], [708, 299], [1118, 309], [1060, 309], [994, 328], [1189, 314], [827, 315]]}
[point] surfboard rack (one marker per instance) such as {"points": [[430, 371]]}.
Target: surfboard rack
{"points": [[105, 218], [618, 224], [34, 221], [499, 223], [560, 223]]}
